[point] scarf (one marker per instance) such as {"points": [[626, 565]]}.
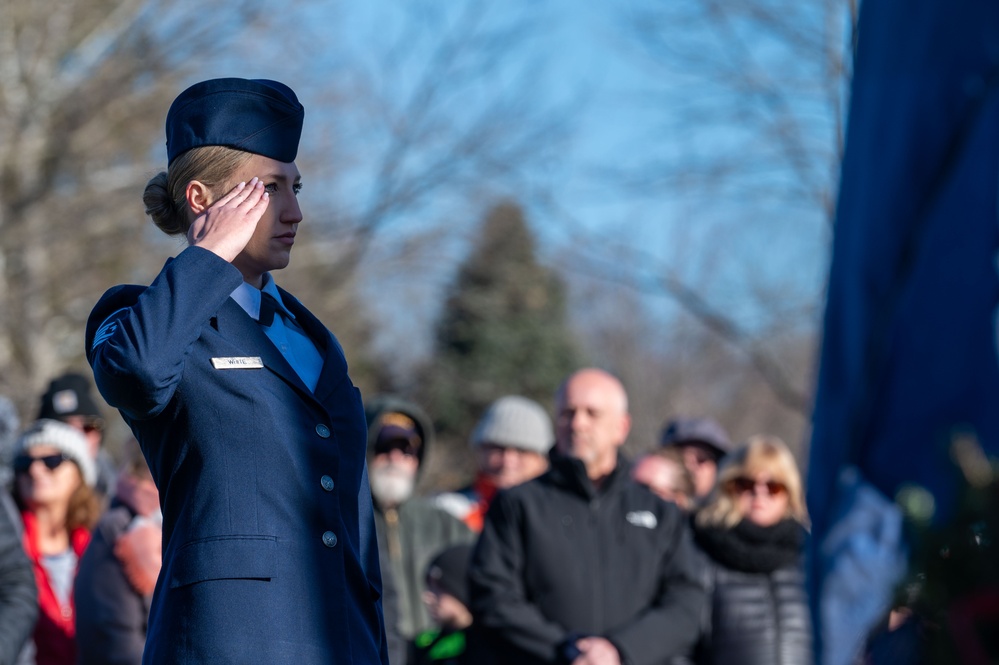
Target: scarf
{"points": [[750, 548]]}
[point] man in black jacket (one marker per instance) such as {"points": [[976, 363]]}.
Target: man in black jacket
{"points": [[582, 565]]}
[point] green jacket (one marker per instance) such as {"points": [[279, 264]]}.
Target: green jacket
{"points": [[412, 535]]}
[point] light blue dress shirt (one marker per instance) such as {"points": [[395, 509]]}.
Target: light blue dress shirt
{"points": [[296, 347]]}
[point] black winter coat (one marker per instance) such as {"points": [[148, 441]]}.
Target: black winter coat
{"points": [[18, 594], [111, 616], [558, 560], [759, 610]]}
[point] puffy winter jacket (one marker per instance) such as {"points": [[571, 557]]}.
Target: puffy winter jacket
{"points": [[757, 617]]}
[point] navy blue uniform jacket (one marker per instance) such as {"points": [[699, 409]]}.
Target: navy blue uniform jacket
{"points": [[269, 552]]}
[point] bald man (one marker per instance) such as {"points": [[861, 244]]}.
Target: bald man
{"points": [[582, 565]]}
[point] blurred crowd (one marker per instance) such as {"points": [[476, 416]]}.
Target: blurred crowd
{"points": [[80, 537], [559, 550], [562, 550]]}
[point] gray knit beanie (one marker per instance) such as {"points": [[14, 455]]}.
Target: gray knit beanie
{"points": [[515, 422], [66, 439]]}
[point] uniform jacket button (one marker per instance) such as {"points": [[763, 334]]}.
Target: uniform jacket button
{"points": [[327, 483], [323, 431], [329, 539]]}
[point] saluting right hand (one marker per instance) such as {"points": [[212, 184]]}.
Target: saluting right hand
{"points": [[228, 224]]}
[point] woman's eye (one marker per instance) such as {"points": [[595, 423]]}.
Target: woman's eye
{"points": [[271, 188], [297, 187]]}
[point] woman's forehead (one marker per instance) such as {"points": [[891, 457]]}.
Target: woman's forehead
{"points": [[266, 168], [764, 466], [42, 449]]}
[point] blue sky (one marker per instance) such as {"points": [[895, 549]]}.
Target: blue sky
{"points": [[618, 112]]}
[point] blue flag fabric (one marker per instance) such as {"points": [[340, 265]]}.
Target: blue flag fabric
{"points": [[909, 352]]}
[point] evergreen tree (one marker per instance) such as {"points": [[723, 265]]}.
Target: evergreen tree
{"points": [[503, 329]]}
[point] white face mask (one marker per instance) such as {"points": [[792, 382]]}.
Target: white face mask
{"points": [[391, 484]]}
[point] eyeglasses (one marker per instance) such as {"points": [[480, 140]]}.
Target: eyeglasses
{"points": [[744, 485], [23, 462]]}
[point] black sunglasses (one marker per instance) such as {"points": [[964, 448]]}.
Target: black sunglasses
{"points": [[23, 462], [402, 445]]}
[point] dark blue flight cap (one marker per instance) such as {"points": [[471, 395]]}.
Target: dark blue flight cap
{"points": [[259, 116]]}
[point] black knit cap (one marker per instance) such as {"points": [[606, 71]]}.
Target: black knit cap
{"points": [[449, 570], [68, 395], [255, 115]]}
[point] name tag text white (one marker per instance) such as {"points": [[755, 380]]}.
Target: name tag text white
{"points": [[238, 362]]}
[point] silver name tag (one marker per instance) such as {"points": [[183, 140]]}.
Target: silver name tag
{"points": [[239, 362]]}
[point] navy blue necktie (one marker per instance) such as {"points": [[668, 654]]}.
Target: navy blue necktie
{"points": [[268, 305]]}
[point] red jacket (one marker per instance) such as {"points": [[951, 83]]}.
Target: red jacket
{"points": [[55, 632]]}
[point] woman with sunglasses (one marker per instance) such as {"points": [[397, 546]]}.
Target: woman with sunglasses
{"points": [[752, 529], [53, 481]]}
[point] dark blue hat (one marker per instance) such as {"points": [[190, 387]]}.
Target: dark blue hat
{"points": [[259, 116], [706, 431]]}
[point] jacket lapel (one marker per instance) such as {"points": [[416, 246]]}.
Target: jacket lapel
{"points": [[334, 364], [237, 326]]}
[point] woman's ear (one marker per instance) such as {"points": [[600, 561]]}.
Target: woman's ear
{"points": [[198, 196]]}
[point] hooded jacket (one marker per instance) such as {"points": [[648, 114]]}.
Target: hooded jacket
{"points": [[412, 534], [559, 559]]}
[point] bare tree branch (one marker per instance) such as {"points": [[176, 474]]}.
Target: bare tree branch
{"points": [[82, 93], [662, 281], [451, 130], [761, 79]]}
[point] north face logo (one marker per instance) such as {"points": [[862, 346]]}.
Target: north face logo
{"points": [[642, 518]]}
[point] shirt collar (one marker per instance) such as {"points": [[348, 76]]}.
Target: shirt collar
{"points": [[248, 297]]}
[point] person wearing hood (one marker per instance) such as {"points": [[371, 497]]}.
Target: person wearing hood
{"points": [[411, 531]]}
